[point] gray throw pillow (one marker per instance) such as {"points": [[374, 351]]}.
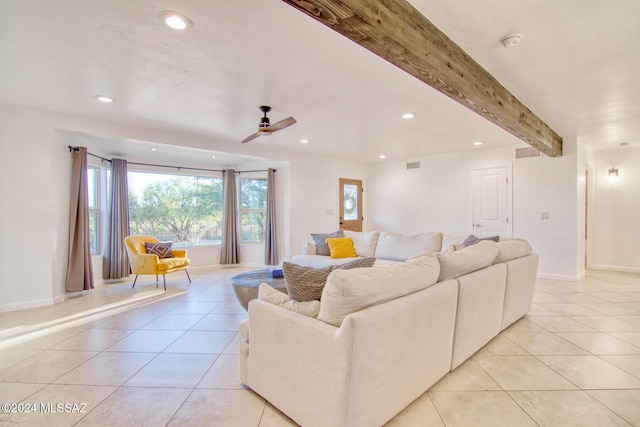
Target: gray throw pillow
{"points": [[321, 241], [307, 283], [472, 240]]}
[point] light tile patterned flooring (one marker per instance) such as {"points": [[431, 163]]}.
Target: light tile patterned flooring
{"points": [[146, 357]]}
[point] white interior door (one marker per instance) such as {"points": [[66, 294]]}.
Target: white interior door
{"points": [[491, 202]]}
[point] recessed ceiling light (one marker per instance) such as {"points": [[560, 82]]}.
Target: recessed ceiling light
{"points": [[213, 157], [382, 156], [175, 20], [153, 149], [408, 115], [304, 141], [103, 98], [512, 40], [478, 143]]}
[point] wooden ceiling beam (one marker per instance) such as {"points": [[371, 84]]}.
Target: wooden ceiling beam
{"points": [[400, 34]]}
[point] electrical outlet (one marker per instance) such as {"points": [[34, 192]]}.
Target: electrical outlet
{"points": [[544, 215], [329, 211]]}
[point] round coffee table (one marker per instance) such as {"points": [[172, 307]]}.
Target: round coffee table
{"points": [[245, 285]]}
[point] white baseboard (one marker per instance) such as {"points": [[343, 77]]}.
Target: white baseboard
{"points": [[561, 277], [615, 268], [30, 304]]}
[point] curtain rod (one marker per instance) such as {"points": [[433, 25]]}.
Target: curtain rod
{"points": [[165, 166]]}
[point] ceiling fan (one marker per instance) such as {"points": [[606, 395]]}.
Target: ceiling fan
{"points": [[266, 128]]}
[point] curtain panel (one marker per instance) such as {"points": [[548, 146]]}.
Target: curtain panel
{"points": [[270, 243], [116, 263], [230, 248], [79, 269]]}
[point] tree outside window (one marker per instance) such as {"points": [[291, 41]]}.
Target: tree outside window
{"points": [[186, 210], [253, 206]]}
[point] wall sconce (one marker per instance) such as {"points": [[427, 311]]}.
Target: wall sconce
{"points": [[613, 173]]}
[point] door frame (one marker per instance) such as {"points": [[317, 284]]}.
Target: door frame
{"points": [[339, 196], [509, 194]]}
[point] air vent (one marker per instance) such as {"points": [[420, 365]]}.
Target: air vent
{"points": [[413, 165], [527, 152]]}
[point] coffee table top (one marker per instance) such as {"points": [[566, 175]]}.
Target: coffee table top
{"points": [[252, 279]]}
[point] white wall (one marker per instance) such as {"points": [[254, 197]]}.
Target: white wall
{"points": [[615, 210], [438, 197], [545, 184], [27, 220], [314, 196]]}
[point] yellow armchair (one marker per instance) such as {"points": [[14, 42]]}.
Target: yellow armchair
{"points": [[144, 263]]}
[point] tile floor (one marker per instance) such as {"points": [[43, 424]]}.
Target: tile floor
{"points": [[146, 357]]}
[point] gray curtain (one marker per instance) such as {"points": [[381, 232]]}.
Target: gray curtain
{"points": [[230, 250], [79, 270], [116, 263], [270, 244]]}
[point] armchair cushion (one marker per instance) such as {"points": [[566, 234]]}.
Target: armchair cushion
{"points": [[165, 264]]}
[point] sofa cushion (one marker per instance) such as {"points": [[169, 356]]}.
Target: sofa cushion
{"points": [[512, 249], [274, 296], [364, 242], [306, 283], [471, 258], [162, 249], [348, 291], [401, 247], [341, 247], [321, 241], [472, 240]]}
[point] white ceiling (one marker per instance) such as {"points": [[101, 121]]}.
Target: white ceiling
{"points": [[577, 69]]}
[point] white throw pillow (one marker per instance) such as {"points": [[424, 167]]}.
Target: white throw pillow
{"points": [[273, 296], [401, 247], [511, 249], [348, 291], [364, 242], [471, 258]]}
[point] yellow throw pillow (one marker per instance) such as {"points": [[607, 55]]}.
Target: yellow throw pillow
{"points": [[341, 247]]}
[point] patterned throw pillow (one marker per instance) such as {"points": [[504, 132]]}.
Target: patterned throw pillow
{"points": [[162, 249], [306, 283]]}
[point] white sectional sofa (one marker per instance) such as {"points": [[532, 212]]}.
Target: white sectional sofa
{"points": [[384, 335]]}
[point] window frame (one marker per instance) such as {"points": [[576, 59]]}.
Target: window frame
{"points": [[242, 210]]}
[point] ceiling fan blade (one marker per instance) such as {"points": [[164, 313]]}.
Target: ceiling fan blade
{"points": [[281, 124], [250, 138]]}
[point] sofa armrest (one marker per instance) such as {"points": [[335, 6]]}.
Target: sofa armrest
{"points": [[309, 249], [294, 360]]}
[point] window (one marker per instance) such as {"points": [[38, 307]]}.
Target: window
{"points": [[186, 210], [93, 184], [253, 205]]}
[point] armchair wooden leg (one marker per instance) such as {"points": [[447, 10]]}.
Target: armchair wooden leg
{"points": [[134, 281], [164, 280], [186, 271]]}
